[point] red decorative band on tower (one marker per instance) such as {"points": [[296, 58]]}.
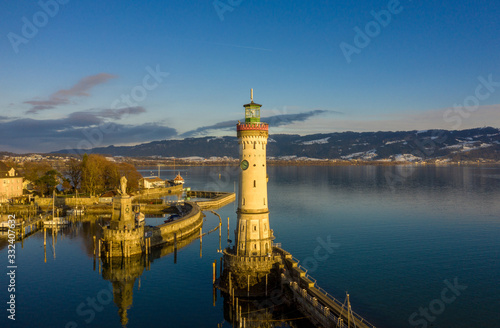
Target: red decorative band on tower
{"points": [[252, 126]]}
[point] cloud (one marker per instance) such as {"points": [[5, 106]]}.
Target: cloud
{"points": [[444, 118], [77, 130], [274, 121], [119, 113], [62, 97]]}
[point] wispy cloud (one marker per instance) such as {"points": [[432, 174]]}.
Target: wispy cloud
{"points": [[63, 96], [274, 121], [117, 114]]}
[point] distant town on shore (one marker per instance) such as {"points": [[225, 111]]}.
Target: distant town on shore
{"points": [[479, 145]]}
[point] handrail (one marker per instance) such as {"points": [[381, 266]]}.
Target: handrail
{"points": [[325, 293]]}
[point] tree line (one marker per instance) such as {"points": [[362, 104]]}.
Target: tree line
{"points": [[92, 175]]}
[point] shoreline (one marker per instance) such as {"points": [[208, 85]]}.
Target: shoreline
{"points": [[315, 162]]}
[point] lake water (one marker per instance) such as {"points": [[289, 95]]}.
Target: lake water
{"points": [[398, 238]]}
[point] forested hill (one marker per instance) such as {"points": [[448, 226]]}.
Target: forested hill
{"points": [[401, 145]]}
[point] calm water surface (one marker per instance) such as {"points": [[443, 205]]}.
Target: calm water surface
{"points": [[396, 234]]}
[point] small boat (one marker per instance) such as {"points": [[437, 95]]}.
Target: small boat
{"points": [[76, 211], [172, 218], [56, 222]]}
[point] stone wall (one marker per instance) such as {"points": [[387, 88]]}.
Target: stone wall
{"points": [[61, 201], [123, 242], [85, 201], [180, 228], [216, 200], [159, 192]]}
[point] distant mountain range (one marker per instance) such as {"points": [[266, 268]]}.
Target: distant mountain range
{"points": [[458, 145]]}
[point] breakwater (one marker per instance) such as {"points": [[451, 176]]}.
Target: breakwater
{"points": [[214, 199]]}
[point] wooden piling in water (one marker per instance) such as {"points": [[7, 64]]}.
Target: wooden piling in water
{"points": [[214, 271]]}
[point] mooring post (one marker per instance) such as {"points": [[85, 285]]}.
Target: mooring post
{"points": [[237, 316], [214, 271], [266, 284]]}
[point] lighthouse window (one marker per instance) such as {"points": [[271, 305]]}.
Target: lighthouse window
{"points": [[242, 227], [254, 246], [254, 145], [264, 201], [243, 201], [254, 183], [254, 228]]}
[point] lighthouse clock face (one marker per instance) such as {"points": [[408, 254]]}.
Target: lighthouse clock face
{"points": [[244, 164]]}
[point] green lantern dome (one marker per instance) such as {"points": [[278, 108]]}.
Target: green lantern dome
{"points": [[252, 111]]}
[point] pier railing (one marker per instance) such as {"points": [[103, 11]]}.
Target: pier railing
{"points": [[312, 291]]}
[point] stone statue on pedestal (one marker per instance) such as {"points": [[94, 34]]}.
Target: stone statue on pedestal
{"points": [[123, 186]]}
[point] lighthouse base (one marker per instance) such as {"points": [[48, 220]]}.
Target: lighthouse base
{"points": [[249, 276]]}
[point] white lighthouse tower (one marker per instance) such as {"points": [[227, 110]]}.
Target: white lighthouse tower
{"points": [[253, 235], [248, 263]]}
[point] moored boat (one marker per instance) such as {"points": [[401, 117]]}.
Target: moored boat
{"points": [[55, 222]]}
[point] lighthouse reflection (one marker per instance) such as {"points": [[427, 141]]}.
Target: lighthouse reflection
{"points": [[123, 272]]}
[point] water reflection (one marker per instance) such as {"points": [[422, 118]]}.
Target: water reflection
{"points": [[123, 272]]}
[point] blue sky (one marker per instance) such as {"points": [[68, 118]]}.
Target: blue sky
{"points": [[187, 68]]}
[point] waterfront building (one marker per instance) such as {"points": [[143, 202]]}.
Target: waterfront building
{"points": [[11, 183], [178, 179], [151, 182]]}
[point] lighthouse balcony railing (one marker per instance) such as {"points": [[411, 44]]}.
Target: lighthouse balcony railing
{"points": [[252, 126], [250, 259]]}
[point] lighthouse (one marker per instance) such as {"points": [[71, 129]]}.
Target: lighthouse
{"points": [[248, 264], [253, 235]]}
